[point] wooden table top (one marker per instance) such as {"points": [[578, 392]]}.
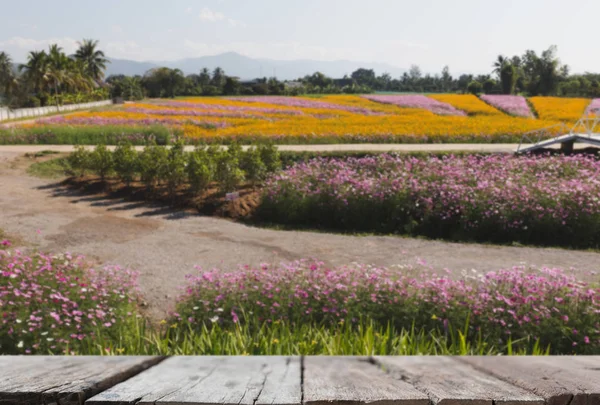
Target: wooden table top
{"points": [[278, 380]]}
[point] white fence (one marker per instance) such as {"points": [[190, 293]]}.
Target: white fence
{"points": [[6, 114]]}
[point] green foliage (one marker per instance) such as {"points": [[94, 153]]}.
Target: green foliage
{"points": [[101, 161], [128, 88], [270, 156], [79, 161], [86, 135], [200, 170], [474, 87], [126, 162], [229, 174], [152, 163], [489, 86], [252, 164], [163, 82], [508, 78], [174, 172]]}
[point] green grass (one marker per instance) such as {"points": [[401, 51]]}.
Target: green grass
{"points": [[85, 135], [50, 169], [281, 339]]}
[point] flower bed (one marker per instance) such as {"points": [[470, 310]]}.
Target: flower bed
{"points": [[133, 119], [545, 305], [468, 103], [235, 108], [306, 103], [594, 107], [560, 109], [51, 304], [513, 105], [417, 101], [537, 200]]}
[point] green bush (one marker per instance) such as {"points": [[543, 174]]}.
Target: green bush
{"points": [[126, 162], [253, 165], [200, 170], [153, 161], [79, 161], [101, 161], [270, 156], [175, 171], [474, 87], [173, 167], [229, 175]]}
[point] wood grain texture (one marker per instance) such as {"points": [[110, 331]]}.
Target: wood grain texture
{"points": [[212, 380], [450, 382], [64, 380], [354, 380], [559, 380]]}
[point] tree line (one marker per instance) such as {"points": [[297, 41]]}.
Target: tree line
{"points": [[53, 78]]}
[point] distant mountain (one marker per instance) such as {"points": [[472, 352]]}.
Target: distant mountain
{"points": [[245, 67], [127, 67]]}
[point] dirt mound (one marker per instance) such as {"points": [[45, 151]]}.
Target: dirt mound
{"points": [[240, 205]]}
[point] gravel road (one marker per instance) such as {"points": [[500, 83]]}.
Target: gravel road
{"points": [[165, 245]]}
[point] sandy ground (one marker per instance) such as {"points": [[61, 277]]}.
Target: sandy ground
{"points": [[165, 245]]}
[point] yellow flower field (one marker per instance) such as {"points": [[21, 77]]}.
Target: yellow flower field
{"points": [[329, 119], [568, 110], [469, 103]]}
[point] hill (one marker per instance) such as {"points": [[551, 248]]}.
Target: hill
{"points": [[246, 67]]}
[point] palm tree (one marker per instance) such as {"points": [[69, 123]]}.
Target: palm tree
{"points": [[7, 76], [36, 70], [94, 60], [57, 71], [500, 62]]}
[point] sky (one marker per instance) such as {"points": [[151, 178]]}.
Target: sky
{"points": [[466, 35]]}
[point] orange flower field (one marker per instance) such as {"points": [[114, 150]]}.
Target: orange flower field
{"points": [[331, 119]]}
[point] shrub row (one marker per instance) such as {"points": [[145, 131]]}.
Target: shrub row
{"points": [[173, 167], [542, 200]]}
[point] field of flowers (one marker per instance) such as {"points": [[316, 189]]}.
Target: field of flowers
{"points": [[514, 105], [418, 101], [54, 304], [444, 118], [51, 303], [468, 103], [518, 304], [559, 109], [535, 200]]}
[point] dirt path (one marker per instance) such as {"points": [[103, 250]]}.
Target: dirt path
{"points": [[362, 147], [165, 245]]}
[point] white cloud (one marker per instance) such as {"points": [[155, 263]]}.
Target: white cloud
{"points": [[207, 14], [117, 29], [19, 47], [188, 10]]}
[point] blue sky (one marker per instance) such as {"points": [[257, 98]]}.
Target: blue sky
{"points": [[464, 34]]}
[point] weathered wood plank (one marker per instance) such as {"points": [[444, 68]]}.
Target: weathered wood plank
{"points": [[171, 375], [354, 380], [449, 382], [254, 380], [64, 380], [559, 380]]}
